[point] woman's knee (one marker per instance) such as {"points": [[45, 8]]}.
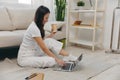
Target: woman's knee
{"points": [[49, 40]]}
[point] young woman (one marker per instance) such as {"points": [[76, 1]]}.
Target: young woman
{"points": [[36, 50]]}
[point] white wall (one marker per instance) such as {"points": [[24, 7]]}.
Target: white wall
{"points": [[50, 5], [111, 4], [46, 3]]}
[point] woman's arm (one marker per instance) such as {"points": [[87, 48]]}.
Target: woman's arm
{"points": [[42, 45]]}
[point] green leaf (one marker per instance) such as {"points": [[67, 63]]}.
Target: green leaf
{"points": [[60, 10]]}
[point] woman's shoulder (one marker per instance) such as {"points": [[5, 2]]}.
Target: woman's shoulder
{"points": [[32, 27], [32, 24]]}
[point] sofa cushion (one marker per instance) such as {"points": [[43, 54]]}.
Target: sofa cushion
{"points": [[48, 28], [11, 38], [5, 22], [21, 17]]}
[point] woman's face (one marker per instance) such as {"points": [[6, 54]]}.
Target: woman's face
{"points": [[45, 19]]}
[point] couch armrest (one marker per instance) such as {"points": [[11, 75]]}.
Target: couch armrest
{"points": [[63, 28], [47, 26], [58, 36]]}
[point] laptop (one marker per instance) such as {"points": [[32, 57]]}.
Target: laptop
{"points": [[69, 65]]}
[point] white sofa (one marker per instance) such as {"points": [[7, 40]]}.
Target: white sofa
{"points": [[14, 20]]}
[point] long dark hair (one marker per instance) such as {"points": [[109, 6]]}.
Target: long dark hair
{"points": [[39, 16]]}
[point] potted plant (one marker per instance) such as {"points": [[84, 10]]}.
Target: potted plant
{"points": [[80, 4], [60, 9]]}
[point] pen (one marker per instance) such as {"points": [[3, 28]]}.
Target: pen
{"points": [[31, 76]]}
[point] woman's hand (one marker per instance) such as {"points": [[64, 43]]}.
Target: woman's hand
{"points": [[54, 28], [51, 35], [60, 62]]}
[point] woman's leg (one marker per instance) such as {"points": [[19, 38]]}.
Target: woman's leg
{"points": [[67, 57], [54, 45], [63, 53], [44, 61]]}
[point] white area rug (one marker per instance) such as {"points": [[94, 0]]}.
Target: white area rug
{"points": [[93, 66], [110, 74], [8, 66]]}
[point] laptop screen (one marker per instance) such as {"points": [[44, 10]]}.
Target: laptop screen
{"points": [[80, 58]]}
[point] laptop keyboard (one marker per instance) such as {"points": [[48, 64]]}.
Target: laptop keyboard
{"points": [[69, 66]]}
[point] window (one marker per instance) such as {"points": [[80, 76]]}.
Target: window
{"points": [[24, 1]]}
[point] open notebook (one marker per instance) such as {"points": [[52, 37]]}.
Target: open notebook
{"points": [[70, 65]]}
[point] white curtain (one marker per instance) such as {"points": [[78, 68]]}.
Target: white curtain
{"points": [[24, 1], [116, 30], [119, 3], [9, 1], [50, 5], [111, 5], [37, 3]]}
